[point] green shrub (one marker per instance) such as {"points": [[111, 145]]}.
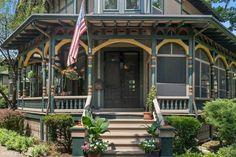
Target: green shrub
{"points": [[229, 151], [221, 115], [39, 150], [197, 155], [12, 120], [14, 141], [59, 130], [186, 129]]}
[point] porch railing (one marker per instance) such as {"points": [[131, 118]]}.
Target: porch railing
{"points": [[69, 102], [173, 103]]}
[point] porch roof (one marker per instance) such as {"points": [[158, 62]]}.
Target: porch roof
{"points": [[212, 27]]}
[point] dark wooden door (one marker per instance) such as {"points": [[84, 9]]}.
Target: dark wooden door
{"points": [[122, 83]]}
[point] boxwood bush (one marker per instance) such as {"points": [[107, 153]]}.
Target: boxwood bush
{"points": [[59, 130], [221, 115], [186, 130]]}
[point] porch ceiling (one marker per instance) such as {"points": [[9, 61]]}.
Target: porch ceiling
{"points": [[215, 30]]}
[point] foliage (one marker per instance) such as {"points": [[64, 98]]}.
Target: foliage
{"points": [[71, 74], [39, 150], [186, 129], [151, 96], [229, 151], [95, 127], [12, 120], [25, 8], [14, 141], [226, 9], [149, 145], [3, 103], [188, 154], [59, 130], [221, 114], [31, 74], [95, 146]]}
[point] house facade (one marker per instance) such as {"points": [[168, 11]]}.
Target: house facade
{"points": [[178, 46]]}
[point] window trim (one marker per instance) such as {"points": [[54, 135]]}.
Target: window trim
{"points": [[218, 68], [128, 10], [110, 10]]}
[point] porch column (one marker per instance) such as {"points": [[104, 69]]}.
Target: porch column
{"points": [[213, 90], [191, 74], [90, 66], [19, 83], [44, 77], [24, 80], [227, 84], [154, 62]]}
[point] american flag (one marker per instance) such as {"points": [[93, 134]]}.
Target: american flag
{"points": [[79, 30]]}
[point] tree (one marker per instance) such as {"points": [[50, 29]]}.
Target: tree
{"points": [[226, 9]]}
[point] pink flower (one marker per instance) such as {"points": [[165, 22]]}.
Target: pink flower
{"points": [[85, 147]]}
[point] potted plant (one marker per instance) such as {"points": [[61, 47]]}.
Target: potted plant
{"points": [[149, 104], [31, 75], [70, 73], [150, 146], [94, 145]]}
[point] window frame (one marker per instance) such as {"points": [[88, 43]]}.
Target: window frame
{"points": [[127, 10], [201, 63], [220, 69], [111, 10], [232, 73]]}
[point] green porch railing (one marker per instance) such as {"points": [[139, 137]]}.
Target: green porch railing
{"points": [[69, 102], [173, 103], [32, 103]]}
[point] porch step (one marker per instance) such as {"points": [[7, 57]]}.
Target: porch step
{"points": [[125, 136], [118, 115]]}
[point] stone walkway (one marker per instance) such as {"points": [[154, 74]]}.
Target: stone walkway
{"points": [[9, 153]]}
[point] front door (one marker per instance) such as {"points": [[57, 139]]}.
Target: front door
{"points": [[121, 80]]}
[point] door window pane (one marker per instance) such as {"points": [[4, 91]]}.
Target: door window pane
{"points": [[132, 4], [111, 4]]}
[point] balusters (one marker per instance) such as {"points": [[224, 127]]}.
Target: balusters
{"points": [[71, 104], [176, 104], [173, 104]]}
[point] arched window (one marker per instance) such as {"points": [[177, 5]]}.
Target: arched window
{"points": [[220, 79], [202, 74], [171, 70], [232, 82]]}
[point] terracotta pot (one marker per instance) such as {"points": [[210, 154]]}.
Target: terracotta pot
{"points": [[94, 155], [147, 116]]}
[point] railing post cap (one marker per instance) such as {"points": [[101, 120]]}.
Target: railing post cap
{"points": [[167, 131]]}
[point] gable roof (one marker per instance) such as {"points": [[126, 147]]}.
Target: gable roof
{"points": [[205, 8]]}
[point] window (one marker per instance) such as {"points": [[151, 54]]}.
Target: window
{"points": [[132, 4], [232, 82], [220, 79], [202, 75], [171, 70], [111, 5]]}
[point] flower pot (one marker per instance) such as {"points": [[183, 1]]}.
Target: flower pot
{"points": [[94, 155], [147, 116]]}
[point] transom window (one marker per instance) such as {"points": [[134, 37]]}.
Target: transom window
{"points": [[202, 75], [232, 83], [220, 79], [171, 70], [132, 4], [111, 4]]}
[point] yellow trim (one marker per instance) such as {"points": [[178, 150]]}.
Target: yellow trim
{"points": [[46, 48], [223, 59], [21, 62], [30, 53], [128, 41], [206, 50], [176, 41], [34, 61], [232, 64], [66, 41]]}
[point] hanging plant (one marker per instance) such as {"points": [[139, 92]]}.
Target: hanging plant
{"points": [[70, 74], [31, 74]]}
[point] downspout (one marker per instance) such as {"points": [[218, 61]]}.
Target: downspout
{"points": [[193, 67], [49, 66]]}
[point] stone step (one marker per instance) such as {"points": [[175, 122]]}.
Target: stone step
{"points": [[124, 140]]}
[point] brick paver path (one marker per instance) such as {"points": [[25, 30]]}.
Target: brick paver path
{"points": [[9, 153]]}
